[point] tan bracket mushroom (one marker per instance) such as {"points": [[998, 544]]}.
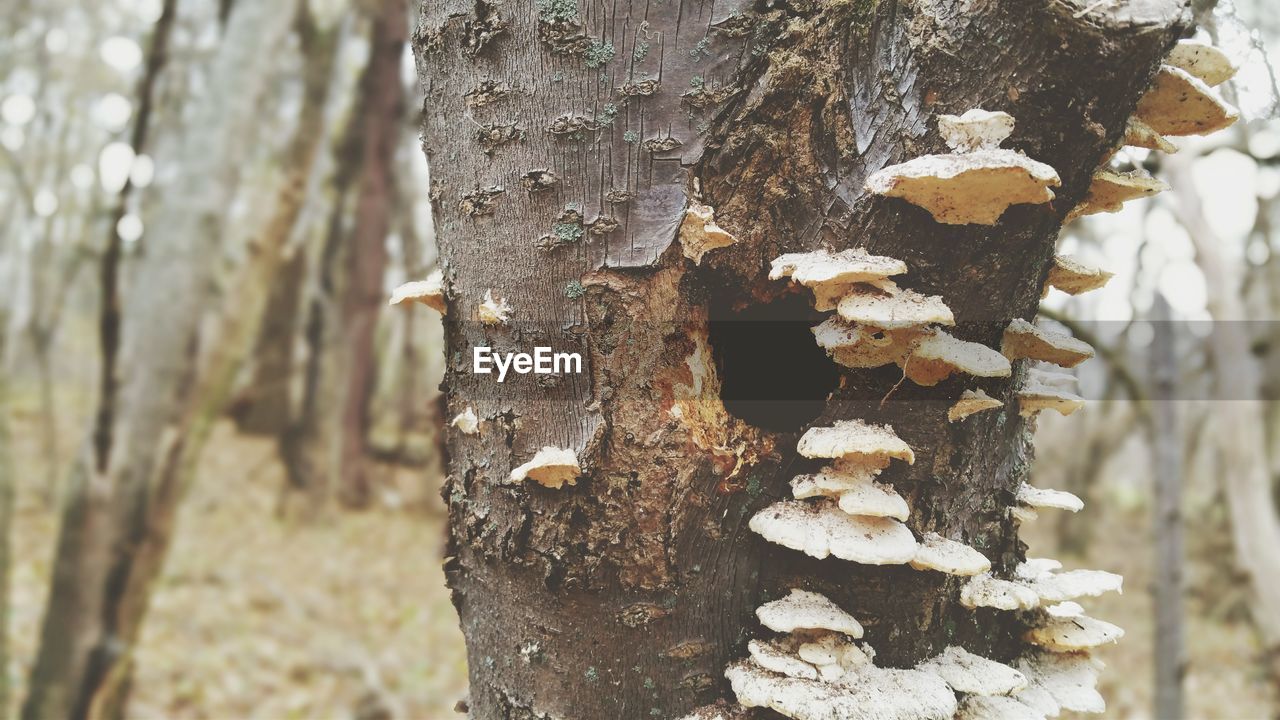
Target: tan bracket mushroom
{"points": [[975, 185], [466, 421], [854, 490], [1110, 190], [804, 610], [1073, 634], [949, 556], [870, 693], [1206, 62], [987, 591], [699, 233], [1040, 498], [1140, 134], [1179, 103], [494, 311], [970, 402], [1024, 340], [1073, 277], [551, 467], [973, 674], [822, 530], [834, 275], [937, 356], [429, 292]]}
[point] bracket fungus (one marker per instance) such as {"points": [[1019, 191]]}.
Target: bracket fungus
{"points": [[948, 556], [968, 673], [894, 309], [466, 421], [870, 693], [1204, 61], [429, 292], [1037, 395], [977, 183], [855, 440], [699, 233], [833, 275], [1065, 609], [1024, 340], [1140, 134], [776, 656], [1179, 103], [856, 346], [970, 402], [987, 591], [494, 311], [1074, 633], [1039, 498], [937, 356], [1073, 584], [1069, 679], [822, 530], [804, 610], [1074, 277], [1110, 190], [854, 490], [551, 467]]}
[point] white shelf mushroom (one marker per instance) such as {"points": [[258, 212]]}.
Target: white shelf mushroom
{"points": [[870, 693], [1110, 190], [1179, 103], [1070, 679], [970, 402], [822, 530], [987, 591], [804, 610], [968, 673], [937, 356], [779, 656], [984, 707], [894, 310], [1065, 586], [699, 233], [1074, 277], [1206, 62], [1040, 498], [429, 292], [975, 185], [854, 490], [935, 552], [1025, 340], [1073, 634], [831, 276], [1140, 134], [551, 467], [855, 440], [858, 346]]}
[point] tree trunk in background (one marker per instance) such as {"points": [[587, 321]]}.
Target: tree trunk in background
{"points": [[627, 594], [120, 512], [1237, 418], [1169, 650], [7, 501], [264, 408], [323, 453]]}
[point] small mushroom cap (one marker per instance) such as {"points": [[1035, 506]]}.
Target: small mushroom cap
{"points": [[828, 649], [1072, 634], [1023, 514], [821, 530], [975, 187], [466, 421], [975, 130], [1065, 609], [1060, 587], [551, 467], [970, 402], [944, 555], [1074, 277], [1044, 498], [780, 657], [1179, 103], [1204, 61], [822, 267], [1140, 134], [870, 693], [1110, 190], [968, 673], [429, 292], [853, 439], [1024, 340], [1034, 397], [699, 233], [1038, 699], [874, 499], [938, 355], [987, 591], [1032, 568], [494, 311], [1071, 679], [832, 480], [986, 707], [894, 310], [804, 610]]}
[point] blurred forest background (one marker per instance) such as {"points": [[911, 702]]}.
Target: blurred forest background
{"points": [[275, 145]]}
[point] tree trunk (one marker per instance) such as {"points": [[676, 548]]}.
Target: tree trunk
{"points": [[7, 500], [627, 594], [1169, 650], [119, 517]]}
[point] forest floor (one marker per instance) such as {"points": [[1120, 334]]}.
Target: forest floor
{"points": [[255, 617]]}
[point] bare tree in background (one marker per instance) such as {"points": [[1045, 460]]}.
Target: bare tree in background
{"points": [[628, 594], [1170, 650]]}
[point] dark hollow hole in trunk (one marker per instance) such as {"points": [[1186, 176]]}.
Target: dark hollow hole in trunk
{"points": [[772, 373]]}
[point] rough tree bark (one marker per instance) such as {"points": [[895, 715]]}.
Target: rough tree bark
{"points": [[120, 510], [627, 594]]}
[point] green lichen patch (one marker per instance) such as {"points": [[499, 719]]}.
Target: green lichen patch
{"points": [[598, 54]]}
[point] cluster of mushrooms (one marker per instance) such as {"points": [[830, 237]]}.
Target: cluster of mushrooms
{"points": [[816, 666]]}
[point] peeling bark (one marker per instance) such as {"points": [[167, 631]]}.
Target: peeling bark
{"points": [[627, 594]]}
